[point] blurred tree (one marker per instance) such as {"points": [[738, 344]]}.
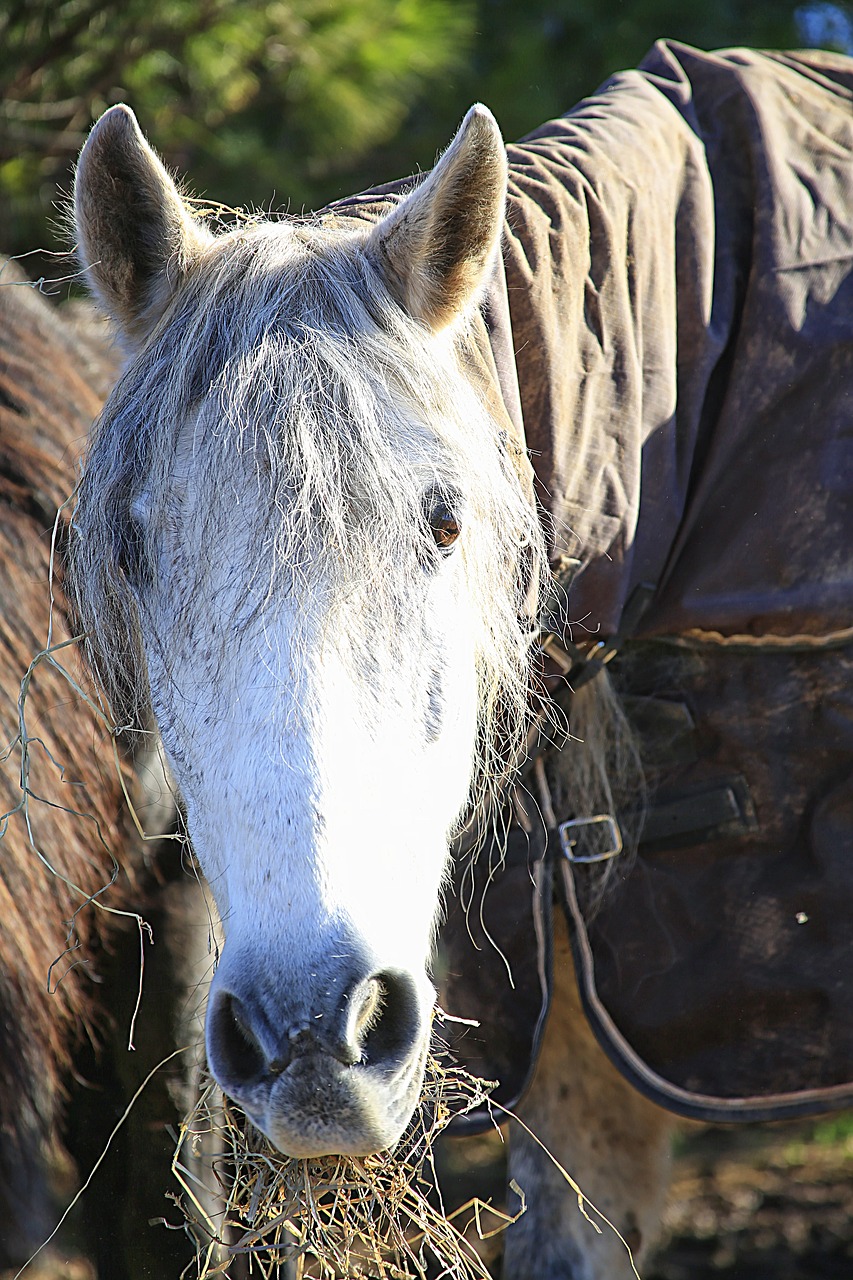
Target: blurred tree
{"points": [[238, 92]]}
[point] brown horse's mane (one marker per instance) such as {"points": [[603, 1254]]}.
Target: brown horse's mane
{"points": [[55, 369]]}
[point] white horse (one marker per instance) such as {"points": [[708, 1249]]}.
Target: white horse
{"points": [[300, 513], [306, 541]]}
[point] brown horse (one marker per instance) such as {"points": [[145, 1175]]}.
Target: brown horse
{"points": [[53, 376], [69, 969]]}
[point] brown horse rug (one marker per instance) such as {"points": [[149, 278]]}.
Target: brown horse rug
{"points": [[672, 330], [679, 272]]}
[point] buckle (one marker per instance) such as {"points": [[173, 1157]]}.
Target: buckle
{"points": [[568, 838]]}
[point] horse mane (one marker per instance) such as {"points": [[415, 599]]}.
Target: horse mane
{"points": [[284, 349]]}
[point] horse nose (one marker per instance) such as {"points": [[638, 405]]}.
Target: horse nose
{"points": [[377, 1024]]}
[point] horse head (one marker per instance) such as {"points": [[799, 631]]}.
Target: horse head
{"points": [[302, 546]]}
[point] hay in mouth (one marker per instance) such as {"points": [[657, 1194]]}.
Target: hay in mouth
{"points": [[378, 1217]]}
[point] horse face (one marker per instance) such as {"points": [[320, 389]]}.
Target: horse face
{"points": [[304, 509], [322, 755]]}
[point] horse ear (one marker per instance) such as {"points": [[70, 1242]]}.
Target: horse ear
{"points": [[135, 235], [436, 247]]}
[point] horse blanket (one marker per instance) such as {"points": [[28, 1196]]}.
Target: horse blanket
{"points": [[671, 332]]}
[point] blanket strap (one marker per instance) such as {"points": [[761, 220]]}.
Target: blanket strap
{"points": [[695, 817]]}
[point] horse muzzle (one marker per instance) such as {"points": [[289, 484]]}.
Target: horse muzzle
{"points": [[337, 1075]]}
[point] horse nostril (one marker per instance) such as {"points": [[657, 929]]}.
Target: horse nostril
{"points": [[379, 1025], [386, 1025], [238, 1055]]}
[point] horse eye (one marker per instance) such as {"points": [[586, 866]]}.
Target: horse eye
{"points": [[445, 527]]}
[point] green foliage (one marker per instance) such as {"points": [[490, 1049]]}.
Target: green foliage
{"points": [[244, 94], [836, 1131]]}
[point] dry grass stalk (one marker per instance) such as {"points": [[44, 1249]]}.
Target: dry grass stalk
{"points": [[379, 1217]]}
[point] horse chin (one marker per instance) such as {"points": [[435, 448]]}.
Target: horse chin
{"points": [[320, 1107]]}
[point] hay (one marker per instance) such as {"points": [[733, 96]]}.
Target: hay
{"points": [[378, 1216]]}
